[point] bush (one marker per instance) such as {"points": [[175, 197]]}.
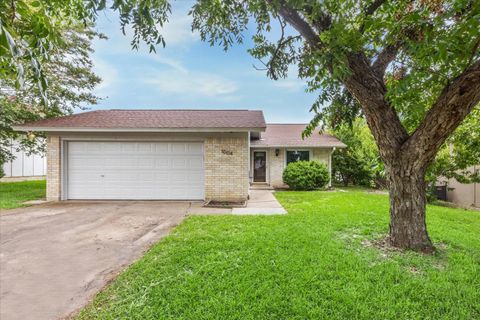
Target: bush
{"points": [[306, 175]]}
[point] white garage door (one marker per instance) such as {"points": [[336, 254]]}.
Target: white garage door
{"points": [[135, 170]]}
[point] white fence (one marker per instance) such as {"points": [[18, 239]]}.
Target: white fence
{"points": [[24, 165]]}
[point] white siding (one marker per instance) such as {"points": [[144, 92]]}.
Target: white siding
{"points": [[25, 165]]}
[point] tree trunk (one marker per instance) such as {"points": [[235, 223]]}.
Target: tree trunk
{"points": [[408, 229]]}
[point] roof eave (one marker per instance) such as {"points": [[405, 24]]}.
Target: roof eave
{"points": [[296, 146], [93, 129]]}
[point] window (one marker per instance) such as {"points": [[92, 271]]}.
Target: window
{"points": [[297, 155]]}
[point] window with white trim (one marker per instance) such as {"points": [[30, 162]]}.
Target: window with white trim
{"points": [[297, 155]]}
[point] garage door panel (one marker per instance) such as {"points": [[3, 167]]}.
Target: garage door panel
{"points": [[162, 162], [135, 170], [195, 162], [162, 178], [162, 148], [84, 177], [146, 163], [195, 179], [195, 148], [179, 148]]}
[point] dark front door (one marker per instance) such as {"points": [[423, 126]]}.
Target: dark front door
{"points": [[259, 166]]}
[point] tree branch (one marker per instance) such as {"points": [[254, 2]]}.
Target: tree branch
{"points": [[371, 10], [373, 7], [384, 58], [456, 101], [365, 85], [382, 119], [298, 23], [322, 22]]}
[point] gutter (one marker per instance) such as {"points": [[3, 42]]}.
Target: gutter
{"points": [[297, 146], [80, 129]]}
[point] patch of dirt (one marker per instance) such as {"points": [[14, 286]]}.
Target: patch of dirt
{"points": [[381, 243], [226, 204], [375, 191]]}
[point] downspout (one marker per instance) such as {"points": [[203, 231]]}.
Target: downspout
{"points": [[330, 167], [475, 189], [249, 161]]}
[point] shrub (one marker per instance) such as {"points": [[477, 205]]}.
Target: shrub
{"points": [[306, 175]]}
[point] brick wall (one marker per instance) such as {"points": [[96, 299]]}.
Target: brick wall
{"points": [[277, 165], [225, 160], [321, 155], [226, 168], [53, 168]]}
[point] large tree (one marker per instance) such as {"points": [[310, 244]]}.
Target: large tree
{"points": [[416, 60], [412, 66]]}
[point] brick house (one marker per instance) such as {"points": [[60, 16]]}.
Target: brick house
{"points": [[171, 154]]}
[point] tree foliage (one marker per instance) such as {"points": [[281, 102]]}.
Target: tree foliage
{"points": [[359, 163], [460, 152], [71, 81], [30, 29]]}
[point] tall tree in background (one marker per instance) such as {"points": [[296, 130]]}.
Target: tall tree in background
{"points": [[29, 29], [71, 80], [360, 162]]}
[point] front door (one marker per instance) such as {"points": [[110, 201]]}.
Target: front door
{"points": [[259, 166]]}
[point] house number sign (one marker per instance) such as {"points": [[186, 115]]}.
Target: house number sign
{"points": [[227, 152]]}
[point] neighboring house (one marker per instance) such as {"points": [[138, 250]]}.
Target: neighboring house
{"points": [[171, 154], [24, 166], [467, 195]]}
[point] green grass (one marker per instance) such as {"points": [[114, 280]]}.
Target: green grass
{"points": [[309, 264], [13, 194]]}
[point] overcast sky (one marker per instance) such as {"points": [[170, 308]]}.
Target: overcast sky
{"points": [[189, 74]]}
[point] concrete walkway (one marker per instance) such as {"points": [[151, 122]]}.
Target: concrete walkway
{"points": [[261, 202]]}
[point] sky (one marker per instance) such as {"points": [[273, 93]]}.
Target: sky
{"points": [[190, 74]]}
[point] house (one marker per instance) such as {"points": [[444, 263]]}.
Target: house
{"points": [[24, 166], [463, 194], [171, 154]]}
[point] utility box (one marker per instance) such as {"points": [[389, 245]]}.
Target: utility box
{"points": [[441, 192]]}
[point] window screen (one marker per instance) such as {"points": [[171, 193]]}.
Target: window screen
{"points": [[294, 156]]}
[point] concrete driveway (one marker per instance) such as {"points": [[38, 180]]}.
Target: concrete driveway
{"points": [[55, 257]]}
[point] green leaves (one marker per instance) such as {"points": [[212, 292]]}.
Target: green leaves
{"points": [[69, 78], [29, 30], [459, 153], [306, 175], [360, 162]]}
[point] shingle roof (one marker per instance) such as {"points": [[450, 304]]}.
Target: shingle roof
{"points": [[154, 119], [290, 135]]}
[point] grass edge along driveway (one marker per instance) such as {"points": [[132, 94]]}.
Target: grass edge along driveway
{"points": [[13, 194], [317, 262]]}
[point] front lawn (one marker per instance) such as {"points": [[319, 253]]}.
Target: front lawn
{"points": [[317, 262], [13, 194]]}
